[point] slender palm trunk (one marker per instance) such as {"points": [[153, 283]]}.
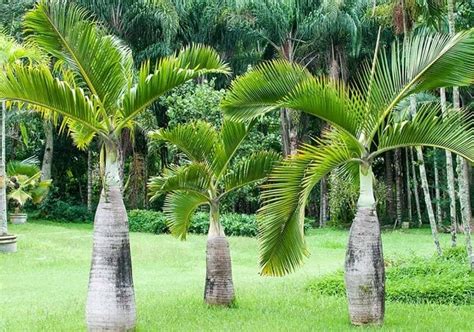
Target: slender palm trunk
{"points": [[323, 202], [450, 180], [389, 183], [398, 183], [415, 189], [89, 180], [429, 206], [466, 210], [439, 215], [48, 150], [219, 288], [285, 132], [407, 166], [364, 268], [3, 187], [111, 299]]}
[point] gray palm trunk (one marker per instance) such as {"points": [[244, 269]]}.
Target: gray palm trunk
{"points": [[429, 206], [407, 166], [364, 267], [323, 202], [398, 184], [389, 183], [48, 150], [3, 188], [219, 287], [439, 215], [415, 189], [89, 180], [111, 300], [450, 179]]}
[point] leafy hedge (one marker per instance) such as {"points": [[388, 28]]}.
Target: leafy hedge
{"points": [[63, 212], [440, 280], [234, 224]]}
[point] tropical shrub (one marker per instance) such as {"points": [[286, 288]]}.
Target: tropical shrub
{"points": [[440, 280], [147, 221]]}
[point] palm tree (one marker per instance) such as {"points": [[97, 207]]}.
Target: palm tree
{"points": [[99, 94], [208, 175], [363, 129], [10, 52]]}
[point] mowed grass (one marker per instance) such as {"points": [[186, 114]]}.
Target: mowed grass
{"points": [[43, 287]]}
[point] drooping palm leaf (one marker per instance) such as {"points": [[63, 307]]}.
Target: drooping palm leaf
{"points": [[179, 207]]}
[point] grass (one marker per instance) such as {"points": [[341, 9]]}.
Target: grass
{"points": [[43, 286]]}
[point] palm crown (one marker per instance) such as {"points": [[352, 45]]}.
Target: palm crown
{"points": [[209, 173], [362, 123]]}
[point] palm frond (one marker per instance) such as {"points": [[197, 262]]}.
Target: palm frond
{"points": [[262, 89], [67, 31], [454, 132], [281, 217], [197, 140], [191, 177], [423, 62], [37, 87], [169, 72], [253, 168], [179, 207]]}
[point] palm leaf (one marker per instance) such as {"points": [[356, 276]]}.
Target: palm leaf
{"points": [[179, 207], [37, 87], [454, 132], [253, 168], [67, 32]]}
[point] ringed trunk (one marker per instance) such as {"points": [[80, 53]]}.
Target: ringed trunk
{"points": [[3, 189], [364, 268], [111, 300], [48, 151], [219, 288]]}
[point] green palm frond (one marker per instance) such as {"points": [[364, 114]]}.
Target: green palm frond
{"points": [[454, 132], [191, 177], [230, 137], [179, 207], [11, 51], [169, 72], [253, 168], [197, 140], [423, 62], [37, 87], [39, 193], [281, 217], [24, 167], [67, 32], [263, 89]]}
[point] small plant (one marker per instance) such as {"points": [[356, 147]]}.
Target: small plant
{"points": [[24, 183]]}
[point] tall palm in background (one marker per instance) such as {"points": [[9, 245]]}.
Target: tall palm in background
{"points": [[11, 52], [207, 176], [99, 94], [363, 129]]}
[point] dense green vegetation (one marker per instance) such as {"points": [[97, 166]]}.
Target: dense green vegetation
{"points": [[168, 277]]}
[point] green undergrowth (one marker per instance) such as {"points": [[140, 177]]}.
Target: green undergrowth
{"points": [[439, 280]]}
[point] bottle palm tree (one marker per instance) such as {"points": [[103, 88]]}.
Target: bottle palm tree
{"points": [[10, 52], [208, 175], [99, 94], [363, 129]]}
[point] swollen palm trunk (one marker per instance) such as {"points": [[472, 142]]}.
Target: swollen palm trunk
{"points": [[111, 300], [219, 288], [364, 269]]}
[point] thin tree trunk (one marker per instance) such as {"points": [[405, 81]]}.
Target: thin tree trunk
{"points": [[407, 166], [48, 150], [415, 189], [3, 176], [439, 215], [450, 179], [429, 206], [364, 268], [398, 183], [219, 287], [285, 132], [89, 180], [111, 300], [466, 209], [323, 202], [389, 183]]}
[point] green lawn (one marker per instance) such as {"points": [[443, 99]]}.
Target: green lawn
{"points": [[43, 286]]}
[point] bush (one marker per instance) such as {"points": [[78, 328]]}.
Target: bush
{"points": [[64, 212], [147, 221], [440, 280]]}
